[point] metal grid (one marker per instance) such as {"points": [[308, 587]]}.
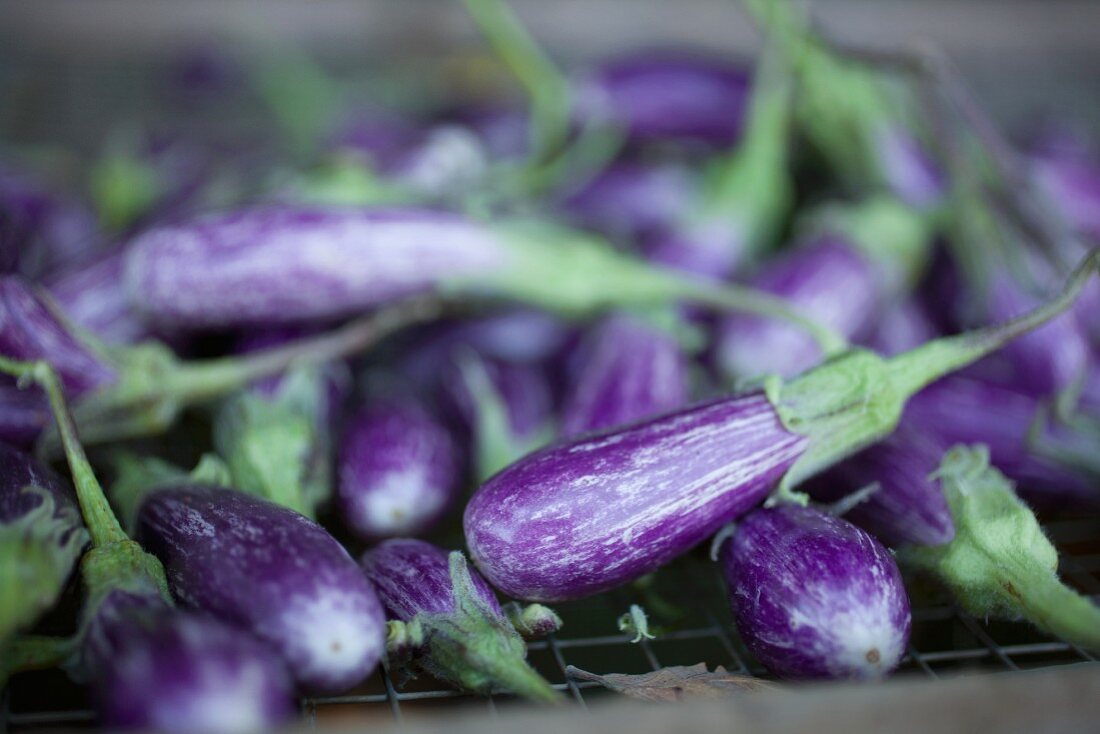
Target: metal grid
{"points": [[945, 641]]}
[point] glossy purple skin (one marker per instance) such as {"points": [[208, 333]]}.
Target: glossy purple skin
{"points": [[668, 97], [600, 510], [813, 596], [19, 470], [827, 280], [91, 298], [41, 230], [908, 508], [523, 388], [969, 410], [908, 169], [413, 577], [399, 470], [629, 201], [154, 668], [23, 414], [285, 264], [272, 571], [628, 369], [29, 331]]}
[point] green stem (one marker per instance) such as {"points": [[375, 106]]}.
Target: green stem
{"points": [[101, 522], [1051, 605], [913, 370], [546, 88], [518, 677], [34, 652]]}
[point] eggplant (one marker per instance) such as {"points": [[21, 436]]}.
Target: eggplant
{"points": [[904, 505], [842, 275], [971, 410], [903, 326], [665, 97], [151, 666], [1000, 564], [629, 368], [41, 536], [456, 627], [813, 596], [597, 511], [30, 330], [252, 563], [91, 298], [399, 470], [23, 415], [1070, 178]]}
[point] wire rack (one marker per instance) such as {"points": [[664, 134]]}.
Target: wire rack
{"points": [[687, 607]]}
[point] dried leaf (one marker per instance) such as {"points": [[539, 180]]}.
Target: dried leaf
{"points": [[676, 683]]}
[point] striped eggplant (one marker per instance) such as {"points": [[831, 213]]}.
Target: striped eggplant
{"points": [[905, 507], [813, 596], [91, 298], [666, 97], [399, 469], [23, 415], [597, 511], [253, 563], [1000, 564], [217, 270], [842, 275], [449, 620], [628, 368], [41, 536], [30, 330]]}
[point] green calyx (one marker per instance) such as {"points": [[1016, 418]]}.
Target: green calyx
{"points": [[37, 553], [137, 476], [855, 399], [34, 652], [276, 447], [1000, 563], [122, 565], [532, 621], [472, 647], [635, 622]]}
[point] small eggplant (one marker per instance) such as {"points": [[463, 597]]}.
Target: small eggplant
{"points": [[41, 536], [30, 330], [399, 470], [451, 620], [597, 511], [91, 298], [1070, 177], [663, 97], [629, 368], [813, 596], [252, 563], [23, 415]]}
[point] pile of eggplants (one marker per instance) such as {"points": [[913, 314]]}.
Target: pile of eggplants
{"points": [[783, 308]]}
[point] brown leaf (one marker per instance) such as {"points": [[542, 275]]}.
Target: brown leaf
{"points": [[676, 683]]}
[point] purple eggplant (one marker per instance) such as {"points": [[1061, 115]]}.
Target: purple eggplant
{"points": [[813, 596], [30, 330], [23, 415], [156, 668], [906, 167], [629, 368], [657, 97], [399, 470], [41, 536], [1070, 178], [91, 298], [584, 516], [256, 564], [905, 506], [451, 620], [969, 410], [603, 509], [903, 326]]}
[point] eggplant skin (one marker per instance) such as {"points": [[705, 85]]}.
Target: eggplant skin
{"points": [[272, 571], [813, 596], [162, 669], [413, 576], [399, 470], [285, 264], [603, 509]]}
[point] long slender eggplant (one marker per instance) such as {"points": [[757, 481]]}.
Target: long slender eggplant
{"points": [[399, 470], [603, 509], [450, 620], [41, 536], [253, 563], [152, 666], [1000, 564], [628, 368], [813, 596]]}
